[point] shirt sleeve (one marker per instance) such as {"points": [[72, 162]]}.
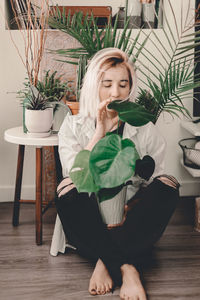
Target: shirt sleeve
{"points": [[156, 148], [68, 145]]}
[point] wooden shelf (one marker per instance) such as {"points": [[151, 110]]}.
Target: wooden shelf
{"points": [[102, 13], [193, 172], [191, 127]]}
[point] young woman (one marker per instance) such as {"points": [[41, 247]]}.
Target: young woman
{"points": [[117, 249]]}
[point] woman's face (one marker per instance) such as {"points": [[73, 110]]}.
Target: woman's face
{"points": [[114, 83]]}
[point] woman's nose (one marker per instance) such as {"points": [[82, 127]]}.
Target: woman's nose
{"points": [[114, 91]]}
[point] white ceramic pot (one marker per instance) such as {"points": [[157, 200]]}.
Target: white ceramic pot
{"points": [[134, 13], [112, 210], [148, 15], [39, 122]]}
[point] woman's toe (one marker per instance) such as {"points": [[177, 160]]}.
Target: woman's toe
{"points": [[93, 292], [92, 289], [100, 290], [107, 288], [103, 291]]}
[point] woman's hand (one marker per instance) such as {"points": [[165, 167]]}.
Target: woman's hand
{"points": [[107, 119], [126, 209]]}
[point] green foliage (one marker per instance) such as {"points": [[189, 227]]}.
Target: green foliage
{"points": [[50, 90], [146, 100], [85, 30], [106, 168], [112, 161], [164, 57], [132, 113], [81, 174], [52, 87], [82, 68], [35, 100]]}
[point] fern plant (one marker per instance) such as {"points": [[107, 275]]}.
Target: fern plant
{"points": [[52, 87]]}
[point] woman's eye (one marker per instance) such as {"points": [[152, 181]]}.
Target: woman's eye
{"points": [[107, 85], [123, 86]]}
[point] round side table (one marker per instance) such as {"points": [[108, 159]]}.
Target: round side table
{"points": [[17, 136]]}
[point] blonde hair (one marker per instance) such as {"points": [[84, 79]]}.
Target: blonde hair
{"points": [[102, 61]]}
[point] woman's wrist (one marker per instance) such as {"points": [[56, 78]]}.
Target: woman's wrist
{"points": [[96, 137]]}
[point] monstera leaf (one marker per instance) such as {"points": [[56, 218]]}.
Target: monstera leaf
{"points": [[132, 113], [80, 173], [112, 161]]}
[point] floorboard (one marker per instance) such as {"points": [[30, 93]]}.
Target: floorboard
{"points": [[28, 272]]}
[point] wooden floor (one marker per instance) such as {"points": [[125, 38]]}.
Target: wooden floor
{"points": [[28, 272]]}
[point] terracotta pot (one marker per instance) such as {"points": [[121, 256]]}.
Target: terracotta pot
{"points": [[74, 107]]}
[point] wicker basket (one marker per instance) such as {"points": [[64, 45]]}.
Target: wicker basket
{"points": [[191, 156]]}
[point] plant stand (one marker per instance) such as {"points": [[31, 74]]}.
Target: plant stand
{"points": [[16, 136]]}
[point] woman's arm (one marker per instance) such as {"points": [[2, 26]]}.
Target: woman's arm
{"points": [[107, 120], [69, 145]]}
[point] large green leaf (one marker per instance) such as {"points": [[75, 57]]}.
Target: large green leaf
{"points": [[132, 113], [80, 173], [112, 161]]}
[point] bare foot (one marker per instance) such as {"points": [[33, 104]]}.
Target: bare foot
{"points": [[131, 288], [100, 282]]}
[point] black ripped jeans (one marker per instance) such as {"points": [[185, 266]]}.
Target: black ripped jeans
{"points": [[144, 225]]}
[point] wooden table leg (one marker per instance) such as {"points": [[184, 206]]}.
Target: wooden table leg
{"points": [[38, 204], [18, 184]]}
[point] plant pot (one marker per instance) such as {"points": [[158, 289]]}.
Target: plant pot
{"points": [[112, 210], [59, 115], [121, 16], [39, 122], [74, 107], [148, 15], [134, 13]]}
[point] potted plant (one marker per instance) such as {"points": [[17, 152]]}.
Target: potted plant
{"points": [[34, 36], [57, 92], [52, 91], [38, 113], [106, 169], [80, 73]]}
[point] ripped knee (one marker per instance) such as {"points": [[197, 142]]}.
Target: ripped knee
{"points": [[169, 180], [64, 187]]}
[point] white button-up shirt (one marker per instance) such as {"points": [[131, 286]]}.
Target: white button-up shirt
{"points": [[74, 135]]}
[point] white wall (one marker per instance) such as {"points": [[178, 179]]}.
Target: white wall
{"points": [[12, 74]]}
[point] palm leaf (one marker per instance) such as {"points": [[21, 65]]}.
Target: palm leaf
{"points": [[176, 75]]}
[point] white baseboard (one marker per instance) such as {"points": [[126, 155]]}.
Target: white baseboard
{"points": [[188, 188], [7, 193]]}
